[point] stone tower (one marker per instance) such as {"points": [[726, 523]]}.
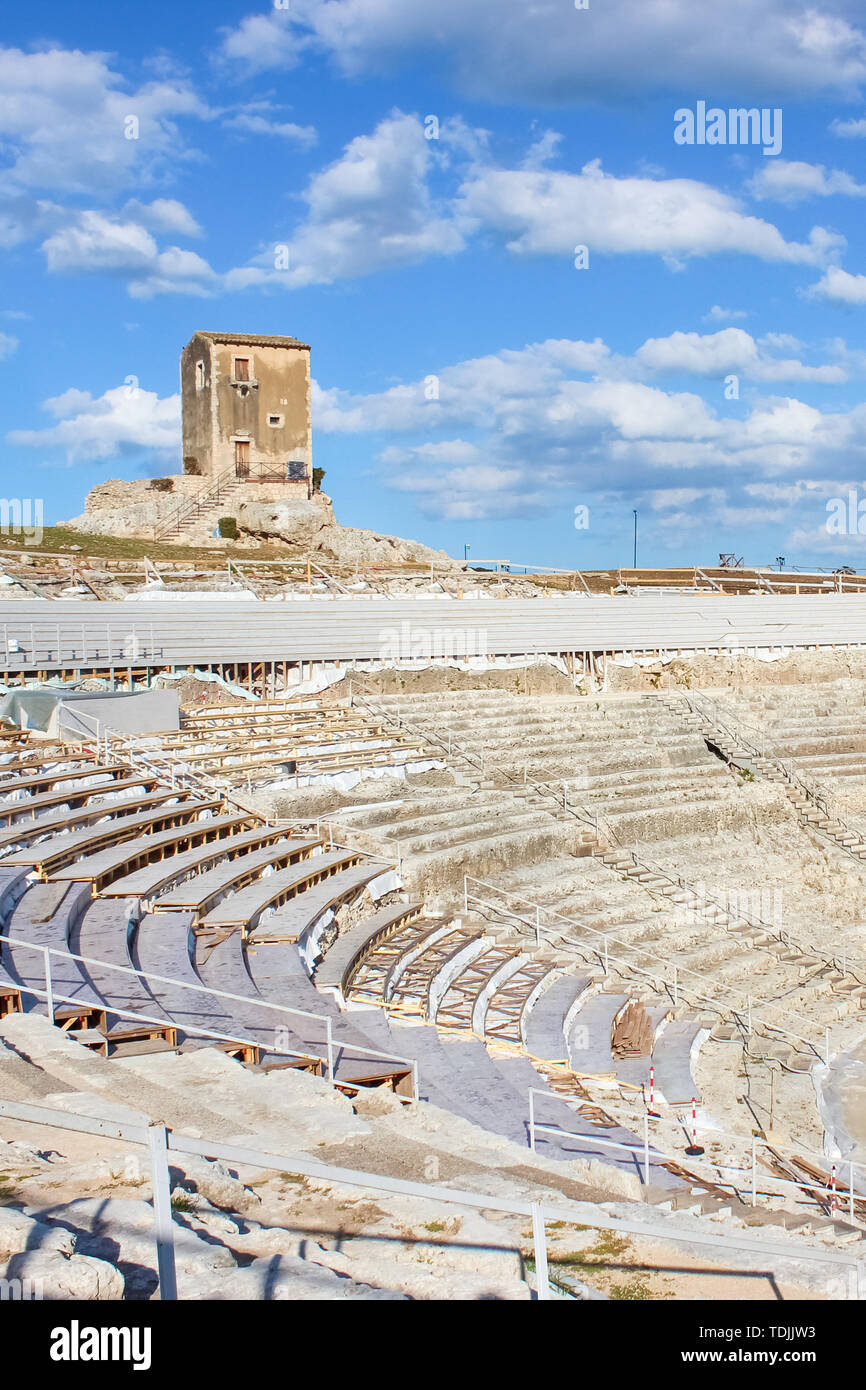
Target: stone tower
{"points": [[246, 410]]}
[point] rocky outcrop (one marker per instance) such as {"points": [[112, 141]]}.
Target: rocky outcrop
{"points": [[299, 526], [310, 528], [124, 507]]}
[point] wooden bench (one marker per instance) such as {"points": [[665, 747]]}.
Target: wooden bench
{"points": [[62, 850], [101, 868], [193, 865], [241, 909]]}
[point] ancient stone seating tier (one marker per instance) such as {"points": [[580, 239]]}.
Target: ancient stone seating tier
{"points": [[263, 899], [193, 894]]}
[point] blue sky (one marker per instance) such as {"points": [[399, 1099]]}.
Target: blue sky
{"points": [[472, 386]]}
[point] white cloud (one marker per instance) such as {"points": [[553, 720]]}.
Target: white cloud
{"points": [[8, 345], [69, 124], [719, 315], [780, 342], [95, 244], [552, 53], [454, 451], [373, 208], [730, 350], [790, 181], [255, 122], [176, 271], [849, 130], [840, 286], [549, 213], [123, 422], [162, 215], [544, 429], [368, 210], [263, 41], [64, 123]]}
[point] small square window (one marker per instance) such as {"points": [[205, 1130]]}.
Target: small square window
{"points": [[199, 376], [275, 420]]}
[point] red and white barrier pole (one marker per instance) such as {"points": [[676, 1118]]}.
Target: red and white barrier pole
{"points": [[833, 1191], [652, 1112], [694, 1150]]}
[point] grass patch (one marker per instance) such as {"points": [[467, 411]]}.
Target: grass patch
{"points": [[435, 1227], [60, 538], [181, 1201], [607, 1249], [636, 1290]]}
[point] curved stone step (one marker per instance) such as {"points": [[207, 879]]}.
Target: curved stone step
{"points": [[673, 1058], [335, 969], [548, 1022], [588, 1040], [103, 934], [46, 916]]}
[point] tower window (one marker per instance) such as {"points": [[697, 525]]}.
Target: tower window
{"points": [[275, 420], [199, 376], [242, 369]]}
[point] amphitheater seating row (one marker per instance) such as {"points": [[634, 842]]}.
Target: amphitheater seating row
{"points": [[191, 894]]}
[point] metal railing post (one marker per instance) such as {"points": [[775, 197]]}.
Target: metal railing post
{"points": [[162, 1217], [754, 1172], [851, 1190], [465, 894], [330, 1046], [532, 1119], [537, 925], [49, 997], [676, 989], [540, 1244], [646, 1161]]}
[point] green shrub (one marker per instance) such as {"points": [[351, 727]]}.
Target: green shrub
{"points": [[162, 484], [228, 528], [318, 475]]}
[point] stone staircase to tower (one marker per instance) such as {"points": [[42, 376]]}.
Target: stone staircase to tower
{"points": [[205, 507]]}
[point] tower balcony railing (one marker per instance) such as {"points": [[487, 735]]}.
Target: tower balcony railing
{"points": [[272, 471]]}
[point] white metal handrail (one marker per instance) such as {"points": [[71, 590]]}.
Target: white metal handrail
{"points": [[50, 995], [750, 1140], [116, 648], [162, 1141], [745, 1014]]}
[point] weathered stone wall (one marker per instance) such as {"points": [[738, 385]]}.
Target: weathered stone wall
{"points": [[218, 409]]}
